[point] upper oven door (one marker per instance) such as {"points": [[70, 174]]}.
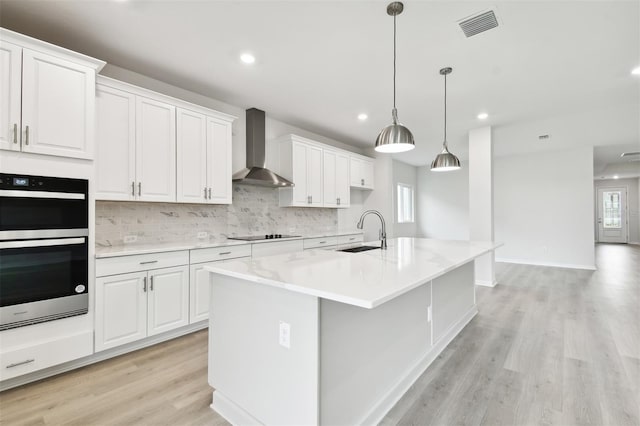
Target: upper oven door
{"points": [[38, 207], [34, 270]]}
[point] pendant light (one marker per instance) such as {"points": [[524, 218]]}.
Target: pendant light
{"points": [[445, 161], [395, 137]]}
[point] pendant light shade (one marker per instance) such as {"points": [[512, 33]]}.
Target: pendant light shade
{"points": [[395, 137], [445, 161]]}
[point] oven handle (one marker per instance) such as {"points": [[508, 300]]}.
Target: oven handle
{"points": [[41, 194], [41, 243]]}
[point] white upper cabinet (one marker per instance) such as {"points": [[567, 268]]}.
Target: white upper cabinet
{"points": [[336, 179], [192, 157], [10, 88], [361, 170], [219, 141], [343, 188], [301, 163], [155, 150], [323, 175], [115, 144], [48, 98]]}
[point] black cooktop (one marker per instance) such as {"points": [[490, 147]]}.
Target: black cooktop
{"points": [[263, 237]]}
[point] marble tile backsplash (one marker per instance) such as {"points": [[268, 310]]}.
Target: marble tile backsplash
{"points": [[254, 211]]}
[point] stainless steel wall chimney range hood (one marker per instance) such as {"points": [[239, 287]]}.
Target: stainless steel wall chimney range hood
{"points": [[255, 173]]}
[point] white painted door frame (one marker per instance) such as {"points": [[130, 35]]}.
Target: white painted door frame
{"points": [[613, 236]]}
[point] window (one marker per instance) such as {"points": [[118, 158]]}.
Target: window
{"points": [[612, 209], [405, 203]]}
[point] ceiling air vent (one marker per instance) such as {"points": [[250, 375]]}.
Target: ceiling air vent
{"points": [[544, 137], [479, 23]]}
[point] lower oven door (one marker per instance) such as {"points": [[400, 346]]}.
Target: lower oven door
{"points": [[42, 280]]}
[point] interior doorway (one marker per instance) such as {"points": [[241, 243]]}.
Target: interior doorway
{"points": [[612, 215]]}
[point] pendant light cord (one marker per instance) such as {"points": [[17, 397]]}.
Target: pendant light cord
{"points": [[394, 61], [445, 110]]}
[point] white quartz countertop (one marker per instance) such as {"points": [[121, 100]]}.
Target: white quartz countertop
{"points": [[366, 279], [134, 248]]}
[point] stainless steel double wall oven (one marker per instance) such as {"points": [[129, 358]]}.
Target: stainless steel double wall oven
{"points": [[44, 232]]}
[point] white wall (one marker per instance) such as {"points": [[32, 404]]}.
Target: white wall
{"points": [[443, 203], [381, 198], [544, 208], [633, 204], [404, 173]]}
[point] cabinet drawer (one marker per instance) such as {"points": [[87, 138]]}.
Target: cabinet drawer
{"points": [[275, 247], [220, 253], [141, 262], [47, 354], [310, 243], [350, 239]]}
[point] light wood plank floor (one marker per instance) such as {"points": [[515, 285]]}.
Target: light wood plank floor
{"points": [[549, 346]]}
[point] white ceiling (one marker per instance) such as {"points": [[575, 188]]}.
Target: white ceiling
{"points": [[320, 63]]}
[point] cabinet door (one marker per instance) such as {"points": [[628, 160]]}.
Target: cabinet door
{"points": [[10, 93], [367, 174], [330, 195], [191, 157], [342, 179], [314, 175], [355, 171], [155, 150], [121, 309], [300, 177], [168, 299], [115, 144], [198, 293], [58, 106], [219, 160]]}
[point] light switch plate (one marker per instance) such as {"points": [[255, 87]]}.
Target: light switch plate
{"points": [[285, 335], [203, 235], [128, 239]]}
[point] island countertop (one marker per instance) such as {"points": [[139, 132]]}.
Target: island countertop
{"points": [[366, 279]]}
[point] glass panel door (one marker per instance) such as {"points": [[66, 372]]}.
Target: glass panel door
{"points": [[612, 209]]}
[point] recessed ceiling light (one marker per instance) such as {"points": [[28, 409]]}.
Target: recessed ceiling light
{"points": [[483, 116], [615, 176], [362, 116], [247, 58], [636, 71]]}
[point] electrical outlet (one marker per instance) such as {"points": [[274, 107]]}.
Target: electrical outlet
{"points": [[203, 235], [128, 239], [285, 335]]}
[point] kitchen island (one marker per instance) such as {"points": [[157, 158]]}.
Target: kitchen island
{"points": [[335, 338]]}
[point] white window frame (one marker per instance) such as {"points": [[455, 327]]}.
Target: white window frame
{"points": [[399, 190]]}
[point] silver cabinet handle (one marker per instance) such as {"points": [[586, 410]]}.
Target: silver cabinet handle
{"points": [[205, 193], [15, 132], [148, 262], [209, 193], [139, 189], [351, 239], [144, 284], [26, 141], [17, 364], [322, 242], [133, 189], [224, 253], [151, 285], [338, 200], [308, 199], [362, 182]]}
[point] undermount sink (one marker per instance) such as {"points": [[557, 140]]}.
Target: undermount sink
{"points": [[359, 249]]}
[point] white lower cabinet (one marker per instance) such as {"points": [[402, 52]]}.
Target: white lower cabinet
{"points": [[199, 292], [135, 305]]}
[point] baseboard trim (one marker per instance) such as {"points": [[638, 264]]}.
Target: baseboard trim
{"points": [[551, 264], [101, 356], [486, 283], [387, 402], [231, 411]]}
